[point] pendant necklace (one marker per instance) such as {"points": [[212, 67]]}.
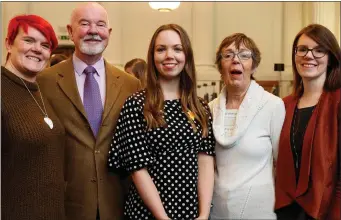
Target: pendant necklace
{"points": [[294, 133], [47, 120], [293, 137]]}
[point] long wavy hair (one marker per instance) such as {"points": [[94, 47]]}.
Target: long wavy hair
{"points": [[154, 102], [326, 39]]}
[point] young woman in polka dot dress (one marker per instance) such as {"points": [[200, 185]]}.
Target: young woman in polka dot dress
{"points": [[164, 136]]}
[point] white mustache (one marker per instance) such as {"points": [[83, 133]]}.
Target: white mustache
{"points": [[92, 37]]}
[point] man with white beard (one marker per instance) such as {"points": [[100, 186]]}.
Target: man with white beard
{"points": [[87, 94]]}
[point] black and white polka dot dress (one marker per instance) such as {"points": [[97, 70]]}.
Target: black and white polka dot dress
{"points": [[170, 155]]}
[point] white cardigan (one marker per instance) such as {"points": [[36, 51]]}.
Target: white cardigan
{"points": [[244, 185]]}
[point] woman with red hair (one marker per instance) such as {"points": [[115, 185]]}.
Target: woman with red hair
{"points": [[32, 154]]}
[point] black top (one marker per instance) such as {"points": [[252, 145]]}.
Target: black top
{"points": [[170, 155], [298, 127]]}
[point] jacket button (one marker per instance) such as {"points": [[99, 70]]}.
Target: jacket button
{"points": [[93, 180]]}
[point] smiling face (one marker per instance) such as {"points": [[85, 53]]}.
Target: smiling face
{"points": [[89, 30], [169, 56], [29, 53], [309, 67], [236, 72]]}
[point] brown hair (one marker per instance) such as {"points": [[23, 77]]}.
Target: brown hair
{"points": [[189, 100], [138, 68], [239, 39], [57, 58], [326, 39], [131, 63]]}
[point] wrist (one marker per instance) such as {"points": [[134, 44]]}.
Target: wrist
{"points": [[162, 217], [203, 216]]}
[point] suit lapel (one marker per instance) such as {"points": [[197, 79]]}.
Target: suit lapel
{"points": [[113, 88], [67, 83]]}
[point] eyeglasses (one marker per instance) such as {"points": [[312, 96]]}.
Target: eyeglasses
{"points": [[318, 52], [242, 55]]}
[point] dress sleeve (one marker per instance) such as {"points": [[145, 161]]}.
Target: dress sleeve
{"points": [[129, 149], [208, 143]]}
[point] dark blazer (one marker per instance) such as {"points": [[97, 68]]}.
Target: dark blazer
{"points": [[87, 182], [318, 190]]}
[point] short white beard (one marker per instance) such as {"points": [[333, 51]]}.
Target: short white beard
{"points": [[91, 49]]}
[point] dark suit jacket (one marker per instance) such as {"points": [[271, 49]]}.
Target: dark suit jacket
{"points": [[318, 190], [87, 182]]}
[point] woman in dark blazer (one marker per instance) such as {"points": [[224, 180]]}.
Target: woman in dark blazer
{"points": [[308, 167]]}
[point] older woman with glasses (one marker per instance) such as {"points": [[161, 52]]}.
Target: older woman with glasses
{"points": [[308, 181], [247, 122]]}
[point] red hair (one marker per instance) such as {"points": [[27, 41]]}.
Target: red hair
{"points": [[34, 21]]}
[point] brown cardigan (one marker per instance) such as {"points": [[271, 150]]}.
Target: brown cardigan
{"points": [[318, 191]]}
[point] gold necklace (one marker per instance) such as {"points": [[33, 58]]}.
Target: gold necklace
{"points": [[47, 120]]}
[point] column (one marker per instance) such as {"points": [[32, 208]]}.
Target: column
{"points": [[203, 44], [292, 24]]}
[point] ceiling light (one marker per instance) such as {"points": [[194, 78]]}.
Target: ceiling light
{"points": [[164, 6]]}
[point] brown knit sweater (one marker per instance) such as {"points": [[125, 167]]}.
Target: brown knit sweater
{"points": [[32, 155]]}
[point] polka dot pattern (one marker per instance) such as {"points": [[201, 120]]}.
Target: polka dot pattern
{"points": [[170, 155]]}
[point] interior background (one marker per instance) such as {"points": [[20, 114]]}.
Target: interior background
{"points": [[272, 25]]}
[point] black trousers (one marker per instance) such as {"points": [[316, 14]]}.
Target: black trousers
{"points": [[293, 212]]}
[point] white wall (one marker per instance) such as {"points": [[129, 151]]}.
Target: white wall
{"points": [[261, 22], [272, 25], [9, 10]]}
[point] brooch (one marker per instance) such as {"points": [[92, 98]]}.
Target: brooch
{"points": [[190, 115]]}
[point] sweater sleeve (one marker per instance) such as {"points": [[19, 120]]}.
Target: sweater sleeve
{"points": [[277, 120]]}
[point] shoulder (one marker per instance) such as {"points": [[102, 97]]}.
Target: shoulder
{"points": [[8, 88], [289, 99], [4, 78], [136, 100], [52, 72], [274, 103], [336, 94], [275, 100], [120, 73], [331, 99], [138, 97]]}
